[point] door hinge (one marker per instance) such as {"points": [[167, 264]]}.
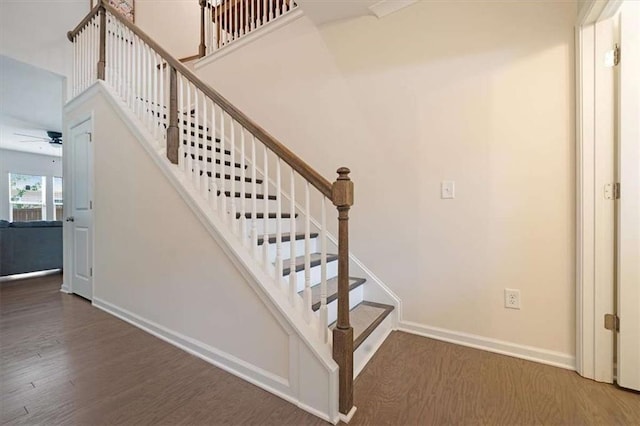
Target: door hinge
{"points": [[611, 322], [616, 55], [90, 136], [90, 205], [612, 191], [90, 272]]}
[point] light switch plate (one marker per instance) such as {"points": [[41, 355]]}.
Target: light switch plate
{"points": [[447, 189]]}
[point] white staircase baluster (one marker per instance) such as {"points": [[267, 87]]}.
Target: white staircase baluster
{"points": [[323, 271], [155, 108], [278, 194], [243, 184], [240, 4], [232, 192], [223, 197], [181, 150], [307, 252], [270, 10], [254, 199], [204, 179], [293, 276], [137, 84], [264, 13], [188, 137], [83, 61], [214, 167], [162, 113], [252, 23], [196, 142], [266, 212]]}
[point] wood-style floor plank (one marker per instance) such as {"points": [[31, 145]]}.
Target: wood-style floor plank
{"points": [[64, 362], [417, 381]]}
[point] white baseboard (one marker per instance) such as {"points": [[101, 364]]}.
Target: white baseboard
{"points": [[272, 383], [65, 288], [346, 418], [530, 353]]}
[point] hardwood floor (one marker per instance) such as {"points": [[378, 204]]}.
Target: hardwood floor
{"points": [[64, 362]]}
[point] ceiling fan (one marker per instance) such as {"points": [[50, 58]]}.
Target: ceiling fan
{"points": [[54, 138]]}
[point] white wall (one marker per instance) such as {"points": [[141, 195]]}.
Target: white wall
{"points": [[35, 32], [156, 265], [30, 164], [476, 92], [174, 24]]}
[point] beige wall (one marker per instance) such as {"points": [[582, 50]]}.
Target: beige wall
{"points": [[174, 24], [476, 92]]}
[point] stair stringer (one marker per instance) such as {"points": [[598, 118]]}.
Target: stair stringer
{"points": [[313, 375]]}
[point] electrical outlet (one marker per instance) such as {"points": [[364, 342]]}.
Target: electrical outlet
{"points": [[511, 298]]}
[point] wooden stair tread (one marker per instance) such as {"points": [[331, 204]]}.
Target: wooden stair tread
{"points": [[201, 147], [199, 135], [332, 290], [247, 195], [316, 259], [364, 318], [261, 215], [237, 178], [286, 237], [226, 163]]}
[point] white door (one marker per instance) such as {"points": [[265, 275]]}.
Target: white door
{"points": [[81, 218], [629, 206]]}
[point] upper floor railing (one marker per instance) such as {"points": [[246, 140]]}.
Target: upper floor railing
{"points": [[225, 21], [221, 152]]}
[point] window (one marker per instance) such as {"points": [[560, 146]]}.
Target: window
{"points": [[57, 198], [27, 197]]}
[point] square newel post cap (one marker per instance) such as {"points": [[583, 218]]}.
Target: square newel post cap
{"points": [[342, 189]]}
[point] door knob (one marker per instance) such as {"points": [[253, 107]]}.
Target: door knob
{"points": [[71, 219]]}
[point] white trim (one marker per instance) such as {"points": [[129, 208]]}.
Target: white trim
{"points": [[386, 7], [595, 219], [371, 344], [65, 289], [271, 26], [257, 376], [346, 418], [291, 319], [530, 353]]}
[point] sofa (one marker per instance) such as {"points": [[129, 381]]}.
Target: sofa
{"points": [[30, 246]]}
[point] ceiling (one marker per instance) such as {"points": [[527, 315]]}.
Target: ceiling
{"points": [[11, 138], [322, 11], [30, 103]]}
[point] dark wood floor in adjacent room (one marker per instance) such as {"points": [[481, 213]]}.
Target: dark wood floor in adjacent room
{"points": [[65, 362]]}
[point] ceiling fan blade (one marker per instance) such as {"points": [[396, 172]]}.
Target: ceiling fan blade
{"points": [[31, 136]]}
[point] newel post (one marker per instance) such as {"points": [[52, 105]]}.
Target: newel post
{"points": [[342, 195], [202, 50], [173, 136], [103, 44]]}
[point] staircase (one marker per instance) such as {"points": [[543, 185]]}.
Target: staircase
{"points": [[269, 202]]}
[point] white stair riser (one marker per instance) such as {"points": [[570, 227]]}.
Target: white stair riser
{"points": [[286, 249], [316, 274], [271, 226], [355, 296]]}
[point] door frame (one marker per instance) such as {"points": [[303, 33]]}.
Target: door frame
{"points": [[595, 233], [67, 188]]}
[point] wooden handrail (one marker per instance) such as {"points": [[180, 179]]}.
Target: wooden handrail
{"points": [[340, 192], [74, 32], [299, 165]]}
